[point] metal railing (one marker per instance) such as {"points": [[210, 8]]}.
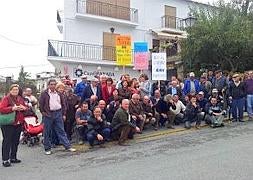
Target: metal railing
{"points": [[107, 10], [81, 51], [173, 22]]}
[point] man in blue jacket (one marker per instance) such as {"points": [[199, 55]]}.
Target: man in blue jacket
{"points": [[191, 85], [81, 86]]}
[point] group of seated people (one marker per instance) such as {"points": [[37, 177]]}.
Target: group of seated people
{"points": [[123, 114]]}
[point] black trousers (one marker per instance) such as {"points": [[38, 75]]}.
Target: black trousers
{"points": [[68, 126], [11, 135]]}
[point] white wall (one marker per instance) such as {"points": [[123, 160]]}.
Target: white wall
{"points": [[149, 12], [92, 69]]}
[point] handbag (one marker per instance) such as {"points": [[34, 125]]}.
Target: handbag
{"points": [[7, 119]]}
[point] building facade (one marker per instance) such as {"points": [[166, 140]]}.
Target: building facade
{"points": [[89, 28]]}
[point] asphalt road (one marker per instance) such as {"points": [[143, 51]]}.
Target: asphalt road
{"points": [[206, 154]]}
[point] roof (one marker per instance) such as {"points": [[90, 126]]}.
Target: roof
{"points": [[198, 2]]}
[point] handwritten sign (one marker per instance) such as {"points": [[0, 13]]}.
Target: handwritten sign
{"points": [[141, 56], [123, 50], [159, 66]]}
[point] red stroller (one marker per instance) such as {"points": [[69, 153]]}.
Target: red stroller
{"points": [[32, 131]]}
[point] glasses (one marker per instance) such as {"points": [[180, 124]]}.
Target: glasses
{"points": [[52, 84]]}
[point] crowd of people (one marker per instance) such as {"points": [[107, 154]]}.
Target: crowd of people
{"points": [[101, 110]]}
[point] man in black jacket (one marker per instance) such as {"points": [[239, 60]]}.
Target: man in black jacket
{"points": [[92, 89], [163, 109], [237, 94], [174, 89], [98, 129]]}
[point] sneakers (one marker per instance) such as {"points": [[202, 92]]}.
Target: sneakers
{"points": [[6, 164], [71, 150], [48, 152]]}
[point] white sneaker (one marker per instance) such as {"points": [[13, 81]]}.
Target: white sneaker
{"points": [[48, 152], [71, 150], [80, 142]]}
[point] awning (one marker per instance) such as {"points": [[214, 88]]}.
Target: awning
{"points": [[164, 35]]}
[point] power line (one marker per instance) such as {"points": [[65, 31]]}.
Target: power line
{"points": [[18, 42], [14, 67]]}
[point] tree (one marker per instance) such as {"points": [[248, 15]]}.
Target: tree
{"points": [[25, 81], [23, 77], [245, 6], [222, 36]]}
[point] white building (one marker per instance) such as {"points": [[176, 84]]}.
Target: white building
{"points": [[89, 28], [42, 80]]}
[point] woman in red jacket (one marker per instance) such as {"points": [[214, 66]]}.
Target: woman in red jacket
{"points": [[11, 133], [107, 90]]}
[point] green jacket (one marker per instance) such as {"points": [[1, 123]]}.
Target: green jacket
{"points": [[121, 118]]}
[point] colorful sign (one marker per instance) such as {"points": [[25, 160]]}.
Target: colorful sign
{"points": [[123, 50], [159, 66], [141, 56]]}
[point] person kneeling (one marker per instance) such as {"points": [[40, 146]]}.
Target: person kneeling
{"points": [[215, 114], [98, 129], [122, 128], [193, 113]]}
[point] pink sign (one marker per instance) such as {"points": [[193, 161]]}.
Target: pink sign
{"points": [[141, 60]]}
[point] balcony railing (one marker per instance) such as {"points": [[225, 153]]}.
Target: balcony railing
{"points": [[81, 51], [107, 10], [173, 22]]}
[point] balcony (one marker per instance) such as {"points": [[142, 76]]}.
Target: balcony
{"points": [[106, 12], [80, 52], [174, 23], [59, 20]]}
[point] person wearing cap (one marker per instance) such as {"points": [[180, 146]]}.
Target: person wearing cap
{"points": [[215, 94], [74, 83], [191, 85], [249, 93], [92, 89], [81, 86], [202, 101], [237, 94]]}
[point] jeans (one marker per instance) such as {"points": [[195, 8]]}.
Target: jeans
{"points": [[91, 137], [11, 135], [237, 108], [250, 105], [55, 122]]}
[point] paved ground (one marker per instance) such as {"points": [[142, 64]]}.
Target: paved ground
{"points": [[223, 153]]}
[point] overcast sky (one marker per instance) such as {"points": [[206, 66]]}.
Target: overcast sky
{"points": [[26, 25]]}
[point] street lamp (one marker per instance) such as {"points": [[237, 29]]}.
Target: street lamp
{"points": [[190, 20]]}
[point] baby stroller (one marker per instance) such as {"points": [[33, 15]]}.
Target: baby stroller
{"points": [[32, 131]]}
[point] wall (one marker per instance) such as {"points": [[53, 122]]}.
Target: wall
{"points": [[90, 31], [91, 70]]}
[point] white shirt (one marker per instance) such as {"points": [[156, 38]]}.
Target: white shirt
{"points": [[179, 107], [54, 101], [94, 90]]}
